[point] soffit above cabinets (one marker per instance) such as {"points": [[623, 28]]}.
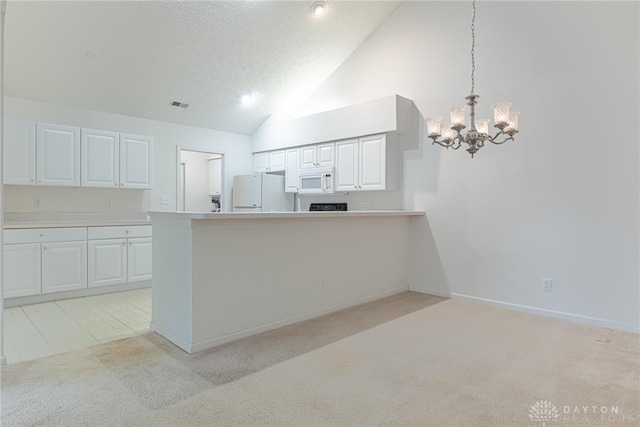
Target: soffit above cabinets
{"points": [[136, 58]]}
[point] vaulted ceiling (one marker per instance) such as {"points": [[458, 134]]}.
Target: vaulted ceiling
{"points": [[137, 57]]}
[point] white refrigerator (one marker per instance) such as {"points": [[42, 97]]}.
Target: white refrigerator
{"points": [[260, 192]]}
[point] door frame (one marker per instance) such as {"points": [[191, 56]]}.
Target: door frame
{"points": [[222, 155]]}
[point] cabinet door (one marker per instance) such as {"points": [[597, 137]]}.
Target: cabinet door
{"points": [[325, 156], [276, 161], [64, 266], [19, 155], [139, 259], [215, 176], [347, 165], [107, 262], [58, 155], [308, 157], [372, 163], [291, 170], [261, 162], [21, 270], [136, 161], [100, 158]]}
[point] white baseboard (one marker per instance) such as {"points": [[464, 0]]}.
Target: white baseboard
{"points": [[78, 293], [181, 342], [422, 290], [629, 327], [3, 360], [207, 344]]}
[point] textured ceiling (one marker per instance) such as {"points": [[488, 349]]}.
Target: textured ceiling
{"points": [[204, 53]]}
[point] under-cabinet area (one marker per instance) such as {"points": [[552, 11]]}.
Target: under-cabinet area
{"points": [[44, 264]]}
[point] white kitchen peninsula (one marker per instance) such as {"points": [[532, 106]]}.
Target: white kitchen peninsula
{"points": [[219, 277]]}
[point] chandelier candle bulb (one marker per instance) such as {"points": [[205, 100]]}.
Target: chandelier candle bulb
{"points": [[501, 112], [513, 121], [482, 125], [433, 126], [457, 116], [447, 133]]}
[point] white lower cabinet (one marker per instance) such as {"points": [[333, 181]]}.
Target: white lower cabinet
{"points": [[48, 260], [44, 260], [64, 266], [119, 254], [139, 259], [107, 262], [21, 272]]}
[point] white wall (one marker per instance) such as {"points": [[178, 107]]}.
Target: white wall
{"points": [[562, 201], [167, 136]]}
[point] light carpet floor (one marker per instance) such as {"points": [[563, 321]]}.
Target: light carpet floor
{"points": [[406, 360]]}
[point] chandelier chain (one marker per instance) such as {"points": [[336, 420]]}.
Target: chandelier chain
{"points": [[473, 48]]}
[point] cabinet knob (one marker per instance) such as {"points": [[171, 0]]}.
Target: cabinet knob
{"points": [[45, 248], [32, 179], [123, 243], [115, 183], [130, 243], [126, 232], [41, 235]]}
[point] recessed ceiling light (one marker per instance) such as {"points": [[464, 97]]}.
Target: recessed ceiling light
{"points": [[318, 8], [249, 98], [92, 54]]}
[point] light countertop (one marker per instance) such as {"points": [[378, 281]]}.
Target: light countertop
{"points": [[49, 220], [277, 215]]}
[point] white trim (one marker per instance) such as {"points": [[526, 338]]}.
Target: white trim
{"points": [[204, 345], [175, 339], [629, 327], [77, 293], [422, 290]]}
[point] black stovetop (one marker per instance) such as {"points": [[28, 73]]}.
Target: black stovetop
{"points": [[328, 207]]}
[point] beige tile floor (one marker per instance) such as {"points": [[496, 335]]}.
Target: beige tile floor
{"points": [[39, 330]]}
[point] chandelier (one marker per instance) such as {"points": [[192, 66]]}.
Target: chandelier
{"points": [[452, 137]]}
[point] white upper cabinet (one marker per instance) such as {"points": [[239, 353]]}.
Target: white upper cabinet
{"points": [[57, 155], [276, 161], [136, 161], [100, 153], [292, 158], [326, 154], [361, 164], [269, 161], [319, 155], [19, 156], [347, 165], [373, 157]]}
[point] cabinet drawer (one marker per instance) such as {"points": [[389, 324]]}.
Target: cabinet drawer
{"points": [[119, 232], [44, 235]]}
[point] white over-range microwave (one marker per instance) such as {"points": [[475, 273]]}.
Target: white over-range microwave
{"points": [[316, 180]]}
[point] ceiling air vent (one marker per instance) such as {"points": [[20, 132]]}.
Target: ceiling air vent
{"points": [[179, 104]]}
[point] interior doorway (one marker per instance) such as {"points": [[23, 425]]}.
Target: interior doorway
{"points": [[200, 179]]}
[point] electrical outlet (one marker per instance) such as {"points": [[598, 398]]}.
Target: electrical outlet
{"points": [[323, 285], [164, 200], [371, 206], [37, 202], [546, 285], [109, 203], [363, 206]]}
